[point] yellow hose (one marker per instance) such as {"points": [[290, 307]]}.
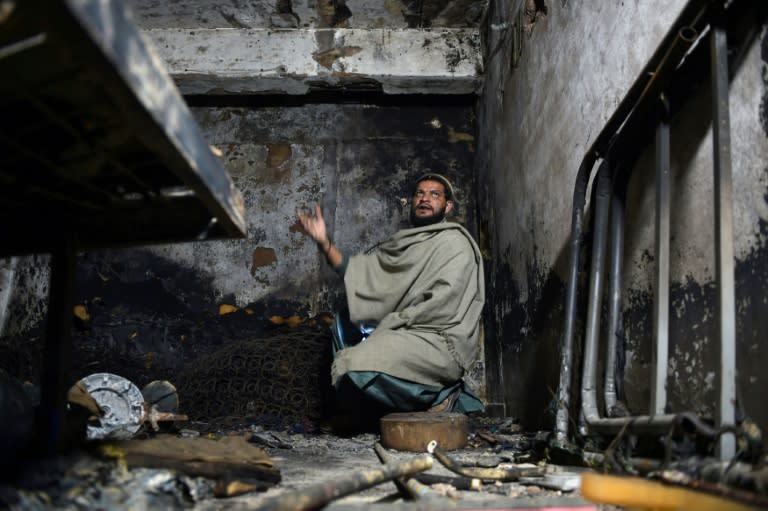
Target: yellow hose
{"points": [[637, 493]]}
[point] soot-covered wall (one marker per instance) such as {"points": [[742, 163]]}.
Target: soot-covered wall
{"points": [[550, 87], [357, 161]]}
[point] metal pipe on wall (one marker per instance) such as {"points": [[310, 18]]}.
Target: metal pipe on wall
{"points": [[618, 197], [594, 299], [661, 290], [620, 136], [656, 421], [569, 329], [724, 262], [606, 191], [674, 46], [684, 38], [589, 406]]}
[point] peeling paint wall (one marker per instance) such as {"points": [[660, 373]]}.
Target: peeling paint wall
{"points": [[355, 161], [550, 87]]}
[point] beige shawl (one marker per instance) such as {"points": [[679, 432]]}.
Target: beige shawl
{"points": [[425, 288]]}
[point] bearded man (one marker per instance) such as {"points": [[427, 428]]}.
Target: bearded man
{"points": [[423, 291]]}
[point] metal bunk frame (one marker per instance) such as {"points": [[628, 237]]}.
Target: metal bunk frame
{"points": [[97, 149]]}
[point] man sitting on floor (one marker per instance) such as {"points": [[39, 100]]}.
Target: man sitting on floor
{"points": [[423, 291]]}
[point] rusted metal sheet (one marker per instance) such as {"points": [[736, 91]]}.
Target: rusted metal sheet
{"points": [[413, 431]]}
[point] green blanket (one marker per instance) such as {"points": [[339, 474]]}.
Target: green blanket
{"points": [[425, 288]]}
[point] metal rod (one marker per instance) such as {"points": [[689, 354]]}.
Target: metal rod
{"points": [[594, 300], [569, 329], [614, 293], [656, 424], [495, 474], [682, 42], [661, 309], [724, 262]]}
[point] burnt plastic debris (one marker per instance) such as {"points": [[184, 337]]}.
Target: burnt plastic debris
{"points": [[121, 403], [162, 395]]}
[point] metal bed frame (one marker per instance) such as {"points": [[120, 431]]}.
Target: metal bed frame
{"points": [[97, 149]]}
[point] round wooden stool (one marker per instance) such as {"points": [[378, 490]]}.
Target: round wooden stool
{"points": [[413, 431]]}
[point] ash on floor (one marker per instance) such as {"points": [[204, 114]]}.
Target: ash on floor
{"points": [[305, 461]]}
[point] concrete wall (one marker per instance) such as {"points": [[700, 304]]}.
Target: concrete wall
{"points": [[357, 161], [544, 103]]}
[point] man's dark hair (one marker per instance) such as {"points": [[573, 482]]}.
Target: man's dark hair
{"points": [[432, 176]]}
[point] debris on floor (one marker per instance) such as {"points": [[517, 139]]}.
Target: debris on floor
{"points": [[248, 467], [232, 456], [207, 466], [141, 453]]}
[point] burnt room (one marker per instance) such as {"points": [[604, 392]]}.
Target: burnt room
{"points": [[411, 254]]}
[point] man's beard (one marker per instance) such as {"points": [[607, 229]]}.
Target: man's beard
{"points": [[437, 216]]}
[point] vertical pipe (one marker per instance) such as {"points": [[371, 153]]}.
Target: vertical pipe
{"points": [[57, 362], [597, 275], [569, 327], [724, 263], [614, 293], [661, 309]]}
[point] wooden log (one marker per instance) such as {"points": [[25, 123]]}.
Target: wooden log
{"points": [[320, 494]]}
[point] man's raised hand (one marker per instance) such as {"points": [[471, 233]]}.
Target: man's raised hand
{"points": [[314, 227]]}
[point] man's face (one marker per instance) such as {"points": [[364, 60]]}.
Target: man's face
{"points": [[429, 204]]}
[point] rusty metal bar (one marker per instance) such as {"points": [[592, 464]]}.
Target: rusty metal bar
{"points": [[571, 292]]}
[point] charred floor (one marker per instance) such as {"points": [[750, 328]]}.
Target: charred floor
{"points": [[244, 420]]}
